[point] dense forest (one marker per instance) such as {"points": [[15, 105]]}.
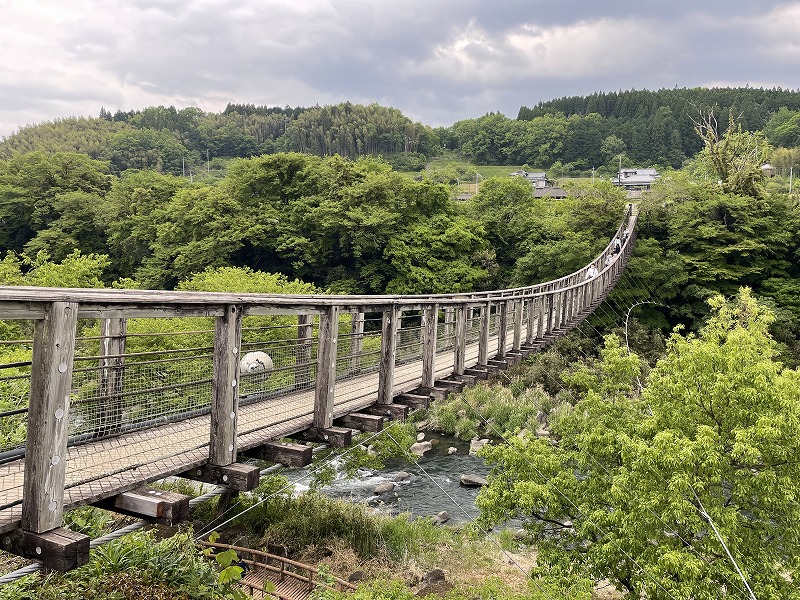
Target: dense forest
{"points": [[576, 134]]}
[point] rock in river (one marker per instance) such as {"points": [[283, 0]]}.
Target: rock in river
{"points": [[472, 481]]}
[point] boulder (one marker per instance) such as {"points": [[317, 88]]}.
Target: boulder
{"points": [[383, 488], [441, 518], [420, 437], [452, 450], [403, 476], [470, 480], [477, 444], [435, 441], [420, 448]]}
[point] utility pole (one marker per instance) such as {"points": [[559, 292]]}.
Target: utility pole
{"points": [[791, 169], [183, 166], [208, 163], [592, 174]]}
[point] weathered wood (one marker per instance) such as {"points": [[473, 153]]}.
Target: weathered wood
{"points": [[414, 400], [460, 344], [518, 314], [436, 393], [336, 437], [502, 328], [302, 354], [396, 412], [236, 476], [112, 372], [150, 504], [449, 384], [483, 340], [293, 455], [478, 373], [58, 549], [326, 368], [530, 333], [356, 342], [500, 364], [48, 418], [391, 321], [449, 321], [361, 421], [430, 319], [467, 379], [225, 387]]}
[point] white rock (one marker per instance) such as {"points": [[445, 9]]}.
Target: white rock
{"points": [[420, 437], [477, 444], [420, 448], [452, 450]]}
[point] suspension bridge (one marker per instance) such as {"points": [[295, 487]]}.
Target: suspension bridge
{"points": [[121, 388]]}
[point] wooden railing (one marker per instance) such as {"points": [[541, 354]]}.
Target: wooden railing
{"points": [[342, 352], [277, 568]]}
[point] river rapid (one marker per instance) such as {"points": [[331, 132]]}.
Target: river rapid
{"points": [[432, 487]]}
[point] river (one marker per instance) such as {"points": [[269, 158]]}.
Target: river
{"points": [[433, 486]]}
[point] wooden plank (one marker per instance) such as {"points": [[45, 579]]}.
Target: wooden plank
{"points": [[518, 313], [336, 437], [430, 321], [450, 385], [477, 372], [48, 418], [502, 328], [326, 368], [361, 421], [483, 339], [58, 549], [436, 393], [150, 504], [460, 343], [293, 455], [391, 322], [224, 387], [236, 476], [397, 412], [413, 400]]}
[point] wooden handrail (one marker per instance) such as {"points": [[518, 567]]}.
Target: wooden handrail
{"points": [[309, 569]]}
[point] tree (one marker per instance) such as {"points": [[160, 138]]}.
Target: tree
{"points": [[735, 157], [629, 484]]}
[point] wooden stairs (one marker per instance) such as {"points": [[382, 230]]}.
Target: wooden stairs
{"points": [[273, 576]]}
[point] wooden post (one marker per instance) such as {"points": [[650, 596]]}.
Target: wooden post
{"points": [[225, 387], [430, 318], [326, 368], [532, 321], [545, 313], [112, 371], [391, 321], [302, 371], [48, 417], [459, 358], [517, 324], [502, 328], [356, 342], [483, 340]]}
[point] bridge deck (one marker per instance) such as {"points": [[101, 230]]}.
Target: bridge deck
{"points": [[131, 460]]}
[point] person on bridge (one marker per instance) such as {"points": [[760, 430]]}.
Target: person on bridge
{"points": [[591, 272]]}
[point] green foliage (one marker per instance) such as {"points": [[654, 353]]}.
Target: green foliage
{"points": [[132, 567], [733, 158], [715, 430]]}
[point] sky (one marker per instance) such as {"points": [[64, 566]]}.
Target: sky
{"points": [[438, 61]]}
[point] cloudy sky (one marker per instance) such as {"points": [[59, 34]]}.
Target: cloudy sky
{"points": [[436, 60]]}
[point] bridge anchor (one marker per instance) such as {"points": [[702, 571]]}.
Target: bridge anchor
{"points": [[59, 549]]}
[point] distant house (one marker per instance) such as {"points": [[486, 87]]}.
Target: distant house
{"points": [[768, 170], [635, 179], [542, 186]]}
